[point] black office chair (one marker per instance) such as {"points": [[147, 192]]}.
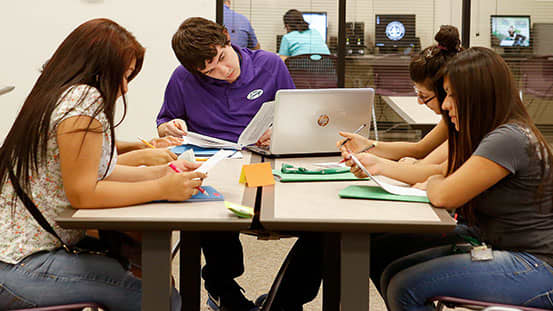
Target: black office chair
{"points": [[392, 80], [454, 302], [537, 76], [68, 307], [313, 71]]}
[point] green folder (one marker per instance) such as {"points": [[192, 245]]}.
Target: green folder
{"points": [[314, 177], [377, 193]]}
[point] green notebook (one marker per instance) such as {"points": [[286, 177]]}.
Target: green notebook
{"points": [[314, 177], [377, 193]]}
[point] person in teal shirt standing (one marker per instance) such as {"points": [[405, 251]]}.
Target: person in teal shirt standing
{"points": [[300, 39]]}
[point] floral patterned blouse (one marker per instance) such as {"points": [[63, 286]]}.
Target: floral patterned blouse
{"points": [[21, 233]]}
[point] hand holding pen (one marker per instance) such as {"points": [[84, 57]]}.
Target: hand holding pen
{"points": [[349, 138], [177, 170], [362, 150]]}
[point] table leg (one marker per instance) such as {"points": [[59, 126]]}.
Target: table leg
{"points": [[190, 271], [354, 270], [156, 270], [331, 272]]}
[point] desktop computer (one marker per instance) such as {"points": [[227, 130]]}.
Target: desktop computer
{"points": [[317, 21], [510, 31], [355, 38], [395, 33]]}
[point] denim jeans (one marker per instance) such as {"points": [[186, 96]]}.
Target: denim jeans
{"points": [[510, 277], [56, 277], [388, 247]]}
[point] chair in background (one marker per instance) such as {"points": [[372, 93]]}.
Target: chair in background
{"points": [[313, 71], [392, 80], [454, 302], [537, 76], [69, 307]]}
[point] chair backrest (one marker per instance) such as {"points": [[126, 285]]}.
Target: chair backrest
{"points": [[392, 80], [537, 76], [313, 71], [68, 307]]}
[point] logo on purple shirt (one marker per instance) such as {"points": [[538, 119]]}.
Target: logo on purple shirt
{"points": [[255, 94]]}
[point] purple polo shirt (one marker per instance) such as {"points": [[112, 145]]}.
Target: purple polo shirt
{"points": [[220, 109]]}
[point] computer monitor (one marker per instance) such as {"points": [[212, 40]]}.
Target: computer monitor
{"points": [[317, 21], [393, 31], [510, 31]]}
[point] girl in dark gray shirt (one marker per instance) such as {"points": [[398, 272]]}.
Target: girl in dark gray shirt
{"points": [[499, 177]]}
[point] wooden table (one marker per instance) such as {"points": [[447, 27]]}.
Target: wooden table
{"points": [[157, 220], [315, 206], [417, 115]]}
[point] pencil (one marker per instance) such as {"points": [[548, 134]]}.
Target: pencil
{"points": [[355, 132], [145, 142], [364, 150], [176, 169]]}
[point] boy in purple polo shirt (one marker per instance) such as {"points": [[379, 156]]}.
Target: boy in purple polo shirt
{"points": [[216, 92], [219, 87]]}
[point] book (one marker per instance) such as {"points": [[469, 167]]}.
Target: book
{"points": [[260, 123]]}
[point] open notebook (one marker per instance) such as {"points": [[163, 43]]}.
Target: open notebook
{"points": [[251, 134]]}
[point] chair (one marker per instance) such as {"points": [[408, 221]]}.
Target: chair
{"points": [[69, 307], [537, 76], [313, 71], [392, 80], [453, 302]]}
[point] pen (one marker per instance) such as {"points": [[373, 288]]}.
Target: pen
{"points": [[176, 169], [145, 142], [355, 132], [364, 150]]}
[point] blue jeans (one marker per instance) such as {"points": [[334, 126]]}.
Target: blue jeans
{"points": [[511, 278], [56, 277]]}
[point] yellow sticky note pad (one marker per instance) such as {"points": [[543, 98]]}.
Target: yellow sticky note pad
{"points": [[257, 175], [239, 210]]}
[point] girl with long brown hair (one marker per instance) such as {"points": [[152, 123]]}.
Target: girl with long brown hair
{"points": [[60, 153], [499, 176]]}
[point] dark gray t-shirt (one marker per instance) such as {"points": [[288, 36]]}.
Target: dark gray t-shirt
{"points": [[510, 215]]}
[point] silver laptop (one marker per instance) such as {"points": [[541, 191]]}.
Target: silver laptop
{"points": [[307, 121]]}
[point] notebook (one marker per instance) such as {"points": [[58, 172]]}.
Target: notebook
{"points": [[377, 193], [307, 121], [211, 194]]}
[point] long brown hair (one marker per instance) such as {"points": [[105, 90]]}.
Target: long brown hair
{"points": [[97, 54], [486, 97], [426, 67], [294, 20]]}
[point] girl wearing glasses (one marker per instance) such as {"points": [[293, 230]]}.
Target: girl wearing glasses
{"points": [[425, 72]]}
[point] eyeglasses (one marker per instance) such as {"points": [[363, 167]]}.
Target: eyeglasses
{"points": [[421, 99]]}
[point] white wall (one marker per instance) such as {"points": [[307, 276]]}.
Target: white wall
{"points": [[31, 30]]}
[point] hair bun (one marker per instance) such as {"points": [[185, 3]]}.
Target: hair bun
{"points": [[448, 38]]}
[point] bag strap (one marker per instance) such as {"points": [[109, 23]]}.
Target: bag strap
{"points": [[33, 209]]}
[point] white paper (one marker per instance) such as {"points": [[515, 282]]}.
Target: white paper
{"points": [[213, 160], [399, 190], [237, 155], [260, 123], [192, 138]]}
